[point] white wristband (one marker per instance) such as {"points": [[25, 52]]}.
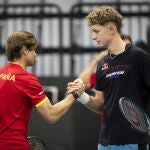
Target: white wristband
{"points": [[84, 98]]}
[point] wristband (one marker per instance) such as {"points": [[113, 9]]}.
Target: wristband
{"points": [[75, 94], [84, 98]]}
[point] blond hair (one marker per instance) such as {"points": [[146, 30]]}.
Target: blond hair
{"points": [[103, 15]]}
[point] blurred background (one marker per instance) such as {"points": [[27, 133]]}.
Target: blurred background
{"points": [[65, 49]]}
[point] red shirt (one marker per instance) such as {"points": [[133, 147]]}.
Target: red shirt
{"points": [[19, 92], [92, 80]]}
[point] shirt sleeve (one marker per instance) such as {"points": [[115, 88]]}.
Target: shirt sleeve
{"points": [[98, 78], [34, 91], [146, 68], [99, 72]]}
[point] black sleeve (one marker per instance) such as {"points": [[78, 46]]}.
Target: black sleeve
{"points": [[146, 69], [99, 73]]}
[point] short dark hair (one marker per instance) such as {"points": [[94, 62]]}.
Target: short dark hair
{"points": [[16, 41], [126, 37]]}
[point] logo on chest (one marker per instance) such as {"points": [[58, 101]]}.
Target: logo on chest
{"points": [[114, 71]]}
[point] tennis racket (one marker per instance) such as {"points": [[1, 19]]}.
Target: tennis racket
{"points": [[36, 143], [134, 115]]}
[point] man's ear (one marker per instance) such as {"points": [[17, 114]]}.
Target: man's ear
{"points": [[111, 28], [24, 50]]}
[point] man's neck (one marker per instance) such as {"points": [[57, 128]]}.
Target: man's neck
{"points": [[117, 47], [18, 62]]}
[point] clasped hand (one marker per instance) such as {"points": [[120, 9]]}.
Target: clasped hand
{"points": [[77, 86]]}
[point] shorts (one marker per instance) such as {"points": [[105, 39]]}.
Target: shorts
{"points": [[118, 147]]}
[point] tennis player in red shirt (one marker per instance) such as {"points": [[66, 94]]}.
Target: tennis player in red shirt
{"points": [[20, 91]]}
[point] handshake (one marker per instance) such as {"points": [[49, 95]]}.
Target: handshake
{"points": [[77, 89]]}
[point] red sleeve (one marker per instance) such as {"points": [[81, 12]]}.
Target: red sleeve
{"points": [[33, 90], [92, 80]]}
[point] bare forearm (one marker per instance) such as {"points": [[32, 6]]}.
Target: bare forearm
{"points": [[62, 107], [52, 113], [95, 105], [87, 72]]}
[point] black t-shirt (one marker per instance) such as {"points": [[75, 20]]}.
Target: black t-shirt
{"points": [[126, 75]]}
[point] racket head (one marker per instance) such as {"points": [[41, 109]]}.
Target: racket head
{"points": [[134, 114], [36, 143]]}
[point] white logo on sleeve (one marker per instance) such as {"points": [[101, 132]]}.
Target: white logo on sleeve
{"points": [[41, 92]]}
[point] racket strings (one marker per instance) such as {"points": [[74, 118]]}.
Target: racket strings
{"points": [[135, 116], [36, 143]]}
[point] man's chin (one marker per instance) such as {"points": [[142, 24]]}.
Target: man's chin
{"points": [[103, 47], [31, 64]]}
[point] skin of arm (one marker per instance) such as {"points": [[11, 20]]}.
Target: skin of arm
{"points": [[95, 103], [52, 113], [87, 72]]}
